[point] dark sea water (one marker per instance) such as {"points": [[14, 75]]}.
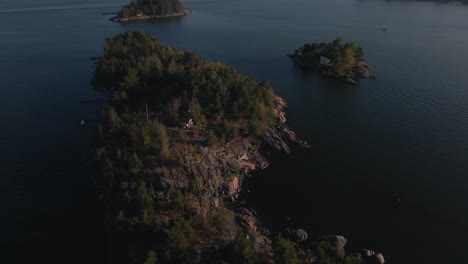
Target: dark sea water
{"points": [[403, 135]]}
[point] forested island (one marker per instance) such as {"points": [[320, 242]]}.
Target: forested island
{"points": [[151, 9], [340, 60], [174, 144]]}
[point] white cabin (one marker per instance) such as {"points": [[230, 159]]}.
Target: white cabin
{"points": [[324, 61]]}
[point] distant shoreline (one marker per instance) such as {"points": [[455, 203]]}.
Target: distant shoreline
{"points": [[456, 3], [185, 12]]}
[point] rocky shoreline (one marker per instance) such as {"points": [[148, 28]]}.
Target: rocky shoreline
{"points": [[352, 77], [185, 12], [220, 172], [362, 71]]}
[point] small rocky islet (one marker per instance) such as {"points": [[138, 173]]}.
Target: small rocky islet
{"points": [[339, 60]]}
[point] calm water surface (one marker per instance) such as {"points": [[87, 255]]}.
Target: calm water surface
{"points": [[404, 134]]}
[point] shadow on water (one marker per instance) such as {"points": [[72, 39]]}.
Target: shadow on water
{"points": [[67, 235], [310, 190], [314, 80]]}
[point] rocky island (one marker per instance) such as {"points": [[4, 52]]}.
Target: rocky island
{"points": [[139, 10], [174, 144], [339, 60]]}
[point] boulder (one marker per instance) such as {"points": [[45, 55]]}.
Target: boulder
{"points": [[380, 259], [301, 235], [367, 253], [297, 235], [371, 257], [336, 241], [336, 244]]}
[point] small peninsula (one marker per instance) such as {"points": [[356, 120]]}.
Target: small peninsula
{"points": [[139, 10], [174, 145], [339, 60]]}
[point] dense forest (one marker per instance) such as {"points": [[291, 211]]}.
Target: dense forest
{"points": [[150, 8], [336, 59], [174, 83]]}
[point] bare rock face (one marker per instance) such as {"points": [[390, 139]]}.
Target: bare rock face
{"points": [[275, 139], [279, 109], [216, 169], [231, 187], [249, 223], [280, 136]]}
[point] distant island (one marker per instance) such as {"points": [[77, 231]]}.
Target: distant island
{"points": [[174, 145], [458, 2], [151, 9], [340, 60]]}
